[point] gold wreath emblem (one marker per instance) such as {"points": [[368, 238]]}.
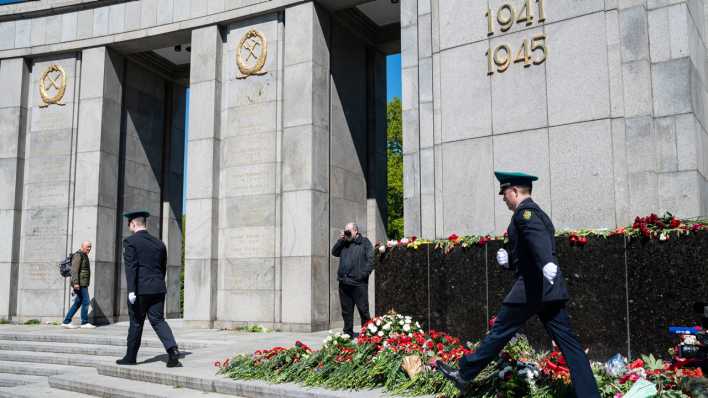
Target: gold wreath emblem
{"points": [[248, 48], [49, 80]]}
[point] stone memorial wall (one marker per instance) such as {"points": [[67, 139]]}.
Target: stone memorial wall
{"points": [[603, 100], [624, 293]]}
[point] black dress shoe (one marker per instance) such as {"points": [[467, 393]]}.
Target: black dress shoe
{"points": [[453, 375], [173, 361], [125, 361]]}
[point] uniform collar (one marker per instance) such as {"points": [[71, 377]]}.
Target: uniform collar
{"points": [[528, 202]]}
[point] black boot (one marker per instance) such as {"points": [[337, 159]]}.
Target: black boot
{"points": [[125, 361], [453, 375], [173, 361]]}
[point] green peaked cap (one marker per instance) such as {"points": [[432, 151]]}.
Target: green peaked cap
{"points": [[513, 178], [135, 214]]}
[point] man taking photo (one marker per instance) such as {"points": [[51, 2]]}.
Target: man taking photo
{"points": [[356, 261]]}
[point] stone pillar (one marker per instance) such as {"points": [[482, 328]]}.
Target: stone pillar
{"points": [[377, 176], [250, 168], [14, 76], [96, 197], [173, 181], [305, 197], [201, 256], [425, 119], [48, 194], [411, 119]]}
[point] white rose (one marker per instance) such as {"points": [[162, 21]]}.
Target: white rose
{"points": [[417, 325], [405, 241], [386, 326], [380, 334], [392, 243], [382, 249], [401, 323], [373, 328], [406, 327], [328, 339], [346, 336], [378, 322]]}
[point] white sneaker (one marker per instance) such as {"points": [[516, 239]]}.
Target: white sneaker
{"points": [[68, 326], [87, 326]]}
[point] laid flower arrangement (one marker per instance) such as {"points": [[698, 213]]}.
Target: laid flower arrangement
{"points": [[649, 227], [393, 352]]}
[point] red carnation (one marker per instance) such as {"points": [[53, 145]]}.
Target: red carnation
{"points": [[674, 223], [440, 347], [638, 363], [492, 320], [453, 238]]}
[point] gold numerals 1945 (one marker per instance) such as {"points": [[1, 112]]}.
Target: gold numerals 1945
{"points": [[506, 16], [499, 59]]}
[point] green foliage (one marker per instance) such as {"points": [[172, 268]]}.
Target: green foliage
{"points": [[253, 329], [4, 321], [394, 153], [33, 322]]}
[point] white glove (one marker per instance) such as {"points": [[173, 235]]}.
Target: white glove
{"points": [[550, 271], [131, 297], [503, 258]]}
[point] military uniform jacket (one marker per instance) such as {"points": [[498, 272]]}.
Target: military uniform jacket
{"points": [[145, 259], [531, 246]]}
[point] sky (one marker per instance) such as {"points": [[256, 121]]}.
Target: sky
{"points": [[393, 76]]}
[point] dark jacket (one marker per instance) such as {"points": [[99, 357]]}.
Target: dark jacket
{"points": [[532, 245], [145, 260], [356, 260], [80, 269]]}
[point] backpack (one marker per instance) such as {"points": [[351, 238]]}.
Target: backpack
{"points": [[65, 266]]}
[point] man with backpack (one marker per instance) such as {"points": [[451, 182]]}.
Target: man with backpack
{"points": [[80, 279]]}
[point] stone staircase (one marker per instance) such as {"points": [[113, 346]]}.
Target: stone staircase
{"points": [[45, 361], [66, 364]]}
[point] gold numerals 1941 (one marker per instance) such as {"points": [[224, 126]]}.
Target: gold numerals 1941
{"points": [[499, 59], [506, 16]]}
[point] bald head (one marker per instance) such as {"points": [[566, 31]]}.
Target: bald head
{"points": [[86, 247]]}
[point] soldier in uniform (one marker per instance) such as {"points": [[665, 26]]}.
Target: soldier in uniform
{"points": [[539, 289], [145, 259]]}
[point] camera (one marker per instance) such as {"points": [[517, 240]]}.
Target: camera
{"points": [[348, 234], [692, 351]]}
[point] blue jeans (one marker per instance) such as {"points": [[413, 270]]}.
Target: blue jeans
{"points": [[81, 300]]}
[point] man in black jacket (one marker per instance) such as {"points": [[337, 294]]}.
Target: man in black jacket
{"points": [[145, 259], [539, 290], [356, 261]]}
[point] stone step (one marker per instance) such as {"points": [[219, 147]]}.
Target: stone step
{"points": [[41, 389], [12, 380], [70, 337], [54, 359], [111, 387], [34, 369], [223, 385], [64, 348]]}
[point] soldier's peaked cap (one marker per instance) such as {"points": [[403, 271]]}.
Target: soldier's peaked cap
{"points": [[513, 178], [135, 214]]}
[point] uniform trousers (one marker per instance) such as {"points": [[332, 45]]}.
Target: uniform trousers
{"points": [[555, 319], [151, 305]]}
